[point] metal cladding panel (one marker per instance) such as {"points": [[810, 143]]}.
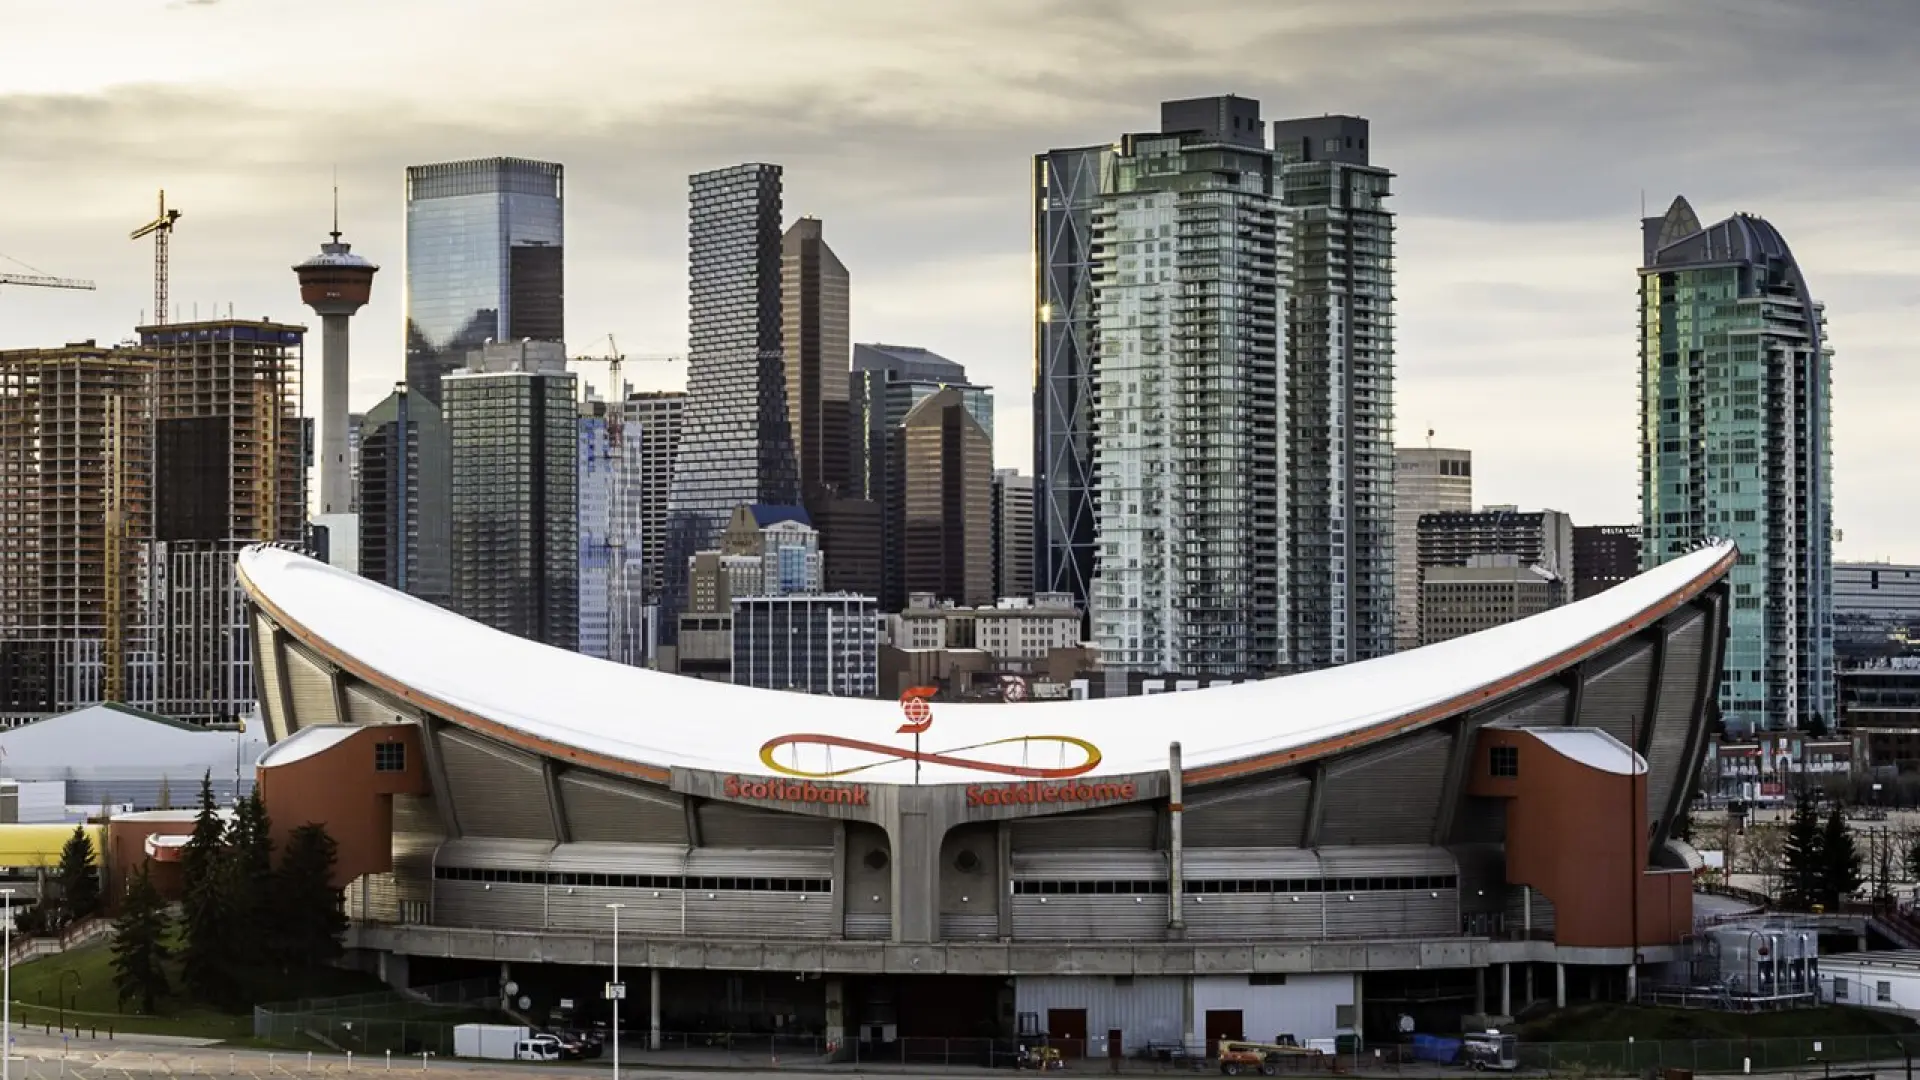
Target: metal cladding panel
{"points": [[1249, 916], [489, 905], [604, 810], [1114, 827], [1387, 795], [1542, 708], [1616, 699], [1274, 812], [869, 925], [269, 675], [1090, 866], [372, 898], [496, 791], [1399, 913], [647, 911], [729, 826], [1234, 864], [1517, 909], [310, 685], [366, 707], [1679, 685], [761, 862], [596, 858], [1388, 862], [1304, 1006], [968, 926], [1143, 1008], [740, 914], [1089, 918], [482, 853], [417, 837]]}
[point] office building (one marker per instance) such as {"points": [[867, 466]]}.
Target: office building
{"points": [[1067, 186], [826, 644], [76, 513], [1603, 556], [514, 428], [1426, 480], [942, 479], [736, 447], [763, 551], [1736, 442], [405, 497], [814, 288], [1017, 632], [230, 469], [889, 381], [1486, 592], [651, 439], [486, 260], [1339, 365], [1542, 538], [1876, 594], [1012, 533], [1191, 260], [598, 532]]}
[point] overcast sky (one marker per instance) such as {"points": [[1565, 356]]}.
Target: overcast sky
{"points": [[1524, 133]]}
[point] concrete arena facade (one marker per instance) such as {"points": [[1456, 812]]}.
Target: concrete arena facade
{"points": [[1316, 824]]}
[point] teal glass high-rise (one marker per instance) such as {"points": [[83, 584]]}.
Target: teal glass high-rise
{"points": [[1735, 441]]}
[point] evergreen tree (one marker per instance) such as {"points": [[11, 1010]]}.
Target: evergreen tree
{"points": [[140, 945], [208, 944], [309, 910], [1804, 858], [252, 853], [1683, 825], [1817, 726], [79, 878], [1840, 860]]}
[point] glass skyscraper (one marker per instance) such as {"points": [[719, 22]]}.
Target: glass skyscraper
{"points": [[735, 446], [1735, 442], [485, 261]]}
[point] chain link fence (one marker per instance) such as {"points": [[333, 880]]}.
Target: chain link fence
{"points": [[416, 1021]]}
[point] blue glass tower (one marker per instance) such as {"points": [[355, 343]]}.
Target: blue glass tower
{"points": [[485, 261]]}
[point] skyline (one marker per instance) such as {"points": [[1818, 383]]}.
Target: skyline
{"points": [[918, 162]]}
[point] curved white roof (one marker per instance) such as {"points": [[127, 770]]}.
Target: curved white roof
{"points": [[553, 701]]}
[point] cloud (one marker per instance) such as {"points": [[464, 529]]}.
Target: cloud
{"points": [[1522, 134]]}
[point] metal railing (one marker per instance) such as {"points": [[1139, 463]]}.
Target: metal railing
{"points": [[413, 1021]]}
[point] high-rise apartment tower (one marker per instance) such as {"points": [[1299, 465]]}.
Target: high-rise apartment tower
{"points": [[1736, 441]]}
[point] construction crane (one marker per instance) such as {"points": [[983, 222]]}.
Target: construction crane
{"points": [[616, 452], [42, 281], [160, 228]]}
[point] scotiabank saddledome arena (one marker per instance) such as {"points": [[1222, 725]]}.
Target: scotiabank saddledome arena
{"points": [[1455, 830]]}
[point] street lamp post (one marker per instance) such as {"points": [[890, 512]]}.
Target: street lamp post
{"points": [[615, 989], [6, 992]]}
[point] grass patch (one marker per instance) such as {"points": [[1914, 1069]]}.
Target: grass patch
{"points": [[83, 979], [1617, 1023]]}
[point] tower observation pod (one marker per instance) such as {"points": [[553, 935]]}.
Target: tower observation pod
{"points": [[335, 283]]}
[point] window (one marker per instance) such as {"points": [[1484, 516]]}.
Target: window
{"points": [[1267, 979], [1504, 761], [390, 757], [1883, 991]]}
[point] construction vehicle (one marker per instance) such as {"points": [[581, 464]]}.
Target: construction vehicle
{"points": [[1238, 1055]]}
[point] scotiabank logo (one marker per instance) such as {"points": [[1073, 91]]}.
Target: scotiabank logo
{"points": [[1036, 794], [740, 787]]}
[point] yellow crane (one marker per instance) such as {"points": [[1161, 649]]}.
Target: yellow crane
{"points": [[160, 228], [616, 439]]}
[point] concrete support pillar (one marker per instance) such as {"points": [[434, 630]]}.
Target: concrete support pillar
{"points": [[653, 1008], [915, 841], [1559, 986], [1359, 1009], [1531, 996], [1506, 989], [1480, 992], [836, 1017], [1633, 982], [1176, 862]]}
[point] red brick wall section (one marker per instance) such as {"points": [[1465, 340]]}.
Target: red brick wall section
{"points": [[1568, 836], [340, 788]]}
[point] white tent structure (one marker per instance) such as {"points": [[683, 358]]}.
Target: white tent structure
{"points": [[113, 755]]}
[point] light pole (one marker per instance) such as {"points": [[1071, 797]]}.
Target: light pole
{"points": [[615, 989], [6, 992]]}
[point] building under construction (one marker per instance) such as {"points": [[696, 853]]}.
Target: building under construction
{"points": [[229, 468], [76, 515]]}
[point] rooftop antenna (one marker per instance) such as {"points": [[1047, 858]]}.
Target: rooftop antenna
{"points": [[336, 205], [1429, 438]]}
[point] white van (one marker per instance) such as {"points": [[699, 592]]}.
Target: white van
{"points": [[536, 1050]]}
